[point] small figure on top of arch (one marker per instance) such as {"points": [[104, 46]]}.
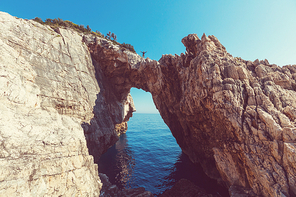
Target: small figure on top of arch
{"points": [[143, 53]]}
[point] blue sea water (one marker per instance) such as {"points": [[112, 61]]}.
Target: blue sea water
{"points": [[148, 156]]}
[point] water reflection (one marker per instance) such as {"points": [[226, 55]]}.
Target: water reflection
{"points": [[185, 169], [157, 172], [119, 163]]}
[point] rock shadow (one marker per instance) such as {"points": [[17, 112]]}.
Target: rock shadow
{"points": [[185, 169], [100, 132]]}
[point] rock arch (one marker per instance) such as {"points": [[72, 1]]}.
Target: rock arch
{"points": [[235, 117]]}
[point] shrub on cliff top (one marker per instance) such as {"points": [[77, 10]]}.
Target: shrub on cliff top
{"points": [[39, 20], [55, 23], [128, 47], [111, 36]]}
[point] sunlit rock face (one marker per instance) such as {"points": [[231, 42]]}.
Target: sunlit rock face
{"points": [[235, 117], [55, 108]]}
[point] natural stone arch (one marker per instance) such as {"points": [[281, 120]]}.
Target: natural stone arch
{"points": [[233, 116]]}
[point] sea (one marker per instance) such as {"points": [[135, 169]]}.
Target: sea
{"points": [[148, 156]]}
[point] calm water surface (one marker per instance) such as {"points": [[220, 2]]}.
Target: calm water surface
{"points": [[148, 156]]}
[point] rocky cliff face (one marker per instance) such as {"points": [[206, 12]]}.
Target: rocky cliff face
{"points": [[235, 117], [65, 95], [54, 109]]}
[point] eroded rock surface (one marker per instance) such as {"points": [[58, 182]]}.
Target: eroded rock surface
{"points": [[51, 100], [235, 117]]}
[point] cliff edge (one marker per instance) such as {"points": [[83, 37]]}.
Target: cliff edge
{"points": [[55, 108]]}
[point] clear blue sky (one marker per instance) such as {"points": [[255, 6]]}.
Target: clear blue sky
{"points": [[251, 29]]}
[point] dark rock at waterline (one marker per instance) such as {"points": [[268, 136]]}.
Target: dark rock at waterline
{"points": [[235, 190], [109, 190], [186, 188]]}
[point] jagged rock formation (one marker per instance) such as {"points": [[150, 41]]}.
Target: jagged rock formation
{"points": [[49, 93], [235, 117]]}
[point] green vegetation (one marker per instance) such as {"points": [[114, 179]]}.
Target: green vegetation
{"points": [[128, 47], [238, 60], [111, 36], [56, 23]]}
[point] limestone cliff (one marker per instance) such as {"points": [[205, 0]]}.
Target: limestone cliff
{"points": [[54, 109], [235, 117]]}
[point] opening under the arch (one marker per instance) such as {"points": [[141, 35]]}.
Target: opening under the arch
{"points": [[143, 101], [148, 156]]}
